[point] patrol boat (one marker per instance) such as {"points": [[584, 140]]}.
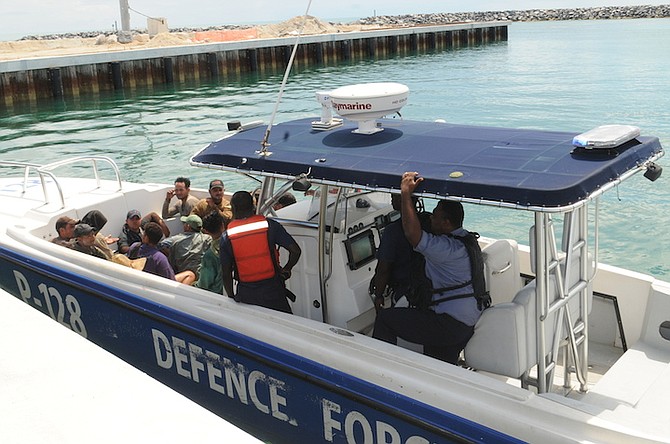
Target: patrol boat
{"points": [[571, 350]]}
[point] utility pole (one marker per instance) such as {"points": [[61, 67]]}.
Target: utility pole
{"points": [[125, 15]]}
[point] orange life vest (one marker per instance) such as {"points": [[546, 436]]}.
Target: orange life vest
{"points": [[254, 260]]}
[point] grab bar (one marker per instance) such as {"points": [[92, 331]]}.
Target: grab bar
{"points": [[26, 172], [44, 171]]}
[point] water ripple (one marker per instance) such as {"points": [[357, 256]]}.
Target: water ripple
{"points": [[552, 75]]}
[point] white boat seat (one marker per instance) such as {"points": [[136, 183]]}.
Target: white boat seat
{"points": [[498, 344], [501, 267], [504, 339]]}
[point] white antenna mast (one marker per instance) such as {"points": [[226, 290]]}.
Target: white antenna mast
{"points": [[265, 144], [125, 15]]}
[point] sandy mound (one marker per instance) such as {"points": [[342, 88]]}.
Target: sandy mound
{"points": [[169, 39], [312, 25], [27, 49]]}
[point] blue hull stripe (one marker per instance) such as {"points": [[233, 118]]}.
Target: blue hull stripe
{"points": [[314, 394]]}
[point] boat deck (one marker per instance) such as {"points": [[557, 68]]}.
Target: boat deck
{"points": [[601, 359], [59, 388]]}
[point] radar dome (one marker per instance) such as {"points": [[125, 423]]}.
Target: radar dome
{"points": [[365, 102]]}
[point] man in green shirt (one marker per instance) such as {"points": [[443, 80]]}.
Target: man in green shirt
{"points": [[210, 265]]}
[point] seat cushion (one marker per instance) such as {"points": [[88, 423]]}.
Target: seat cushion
{"points": [[499, 341]]}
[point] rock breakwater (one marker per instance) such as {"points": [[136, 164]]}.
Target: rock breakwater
{"points": [[528, 15], [96, 34], [407, 20]]}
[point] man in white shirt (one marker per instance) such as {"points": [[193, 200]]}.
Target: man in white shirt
{"points": [[184, 203]]}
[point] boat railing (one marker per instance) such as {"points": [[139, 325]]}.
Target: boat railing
{"points": [[26, 172], [45, 172]]}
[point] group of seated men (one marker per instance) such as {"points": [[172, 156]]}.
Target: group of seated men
{"points": [[203, 256], [145, 242], [451, 259]]}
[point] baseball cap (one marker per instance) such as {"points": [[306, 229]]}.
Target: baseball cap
{"points": [[83, 230], [64, 221], [193, 220], [216, 183], [133, 213]]}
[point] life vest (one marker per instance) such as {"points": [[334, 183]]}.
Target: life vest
{"points": [[254, 258], [421, 290], [477, 271]]}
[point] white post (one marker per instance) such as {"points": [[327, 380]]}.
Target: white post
{"points": [[125, 15]]}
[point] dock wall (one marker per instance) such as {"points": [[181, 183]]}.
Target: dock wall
{"points": [[42, 80]]}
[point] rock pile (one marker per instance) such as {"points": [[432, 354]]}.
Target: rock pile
{"points": [[314, 26], [530, 15], [134, 33]]}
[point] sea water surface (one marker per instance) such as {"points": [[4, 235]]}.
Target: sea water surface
{"points": [[570, 76]]}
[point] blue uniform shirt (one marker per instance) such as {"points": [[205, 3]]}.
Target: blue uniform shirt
{"points": [[395, 248], [447, 265]]}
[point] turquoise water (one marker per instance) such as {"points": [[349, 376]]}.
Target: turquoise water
{"points": [[550, 75]]}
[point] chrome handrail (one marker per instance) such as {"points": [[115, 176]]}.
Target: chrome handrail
{"points": [[26, 173], [45, 171]]}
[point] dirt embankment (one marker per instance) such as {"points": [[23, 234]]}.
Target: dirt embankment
{"points": [[86, 43], [24, 49]]}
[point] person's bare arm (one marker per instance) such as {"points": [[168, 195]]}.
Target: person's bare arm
{"points": [[166, 211], [154, 217], [381, 279], [227, 276], [410, 221], [294, 253]]}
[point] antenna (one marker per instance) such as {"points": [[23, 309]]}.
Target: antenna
{"points": [[327, 121], [265, 144], [125, 15]]}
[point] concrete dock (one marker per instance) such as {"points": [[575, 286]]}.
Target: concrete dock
{"points": [[41, 80], [57, 387]]}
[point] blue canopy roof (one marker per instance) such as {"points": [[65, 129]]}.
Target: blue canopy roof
{"points": [[520, 167]]}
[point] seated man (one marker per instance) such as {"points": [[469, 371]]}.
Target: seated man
{"points": [[185, 201], [98, 220], [84, 236], [249, 248], [445, 327], [131, 231], [216, 202], [256, 194], [65, 229], [185, 250], [157, 263], [210, 265], [284, 201], [393, 261], [396, 260]]}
